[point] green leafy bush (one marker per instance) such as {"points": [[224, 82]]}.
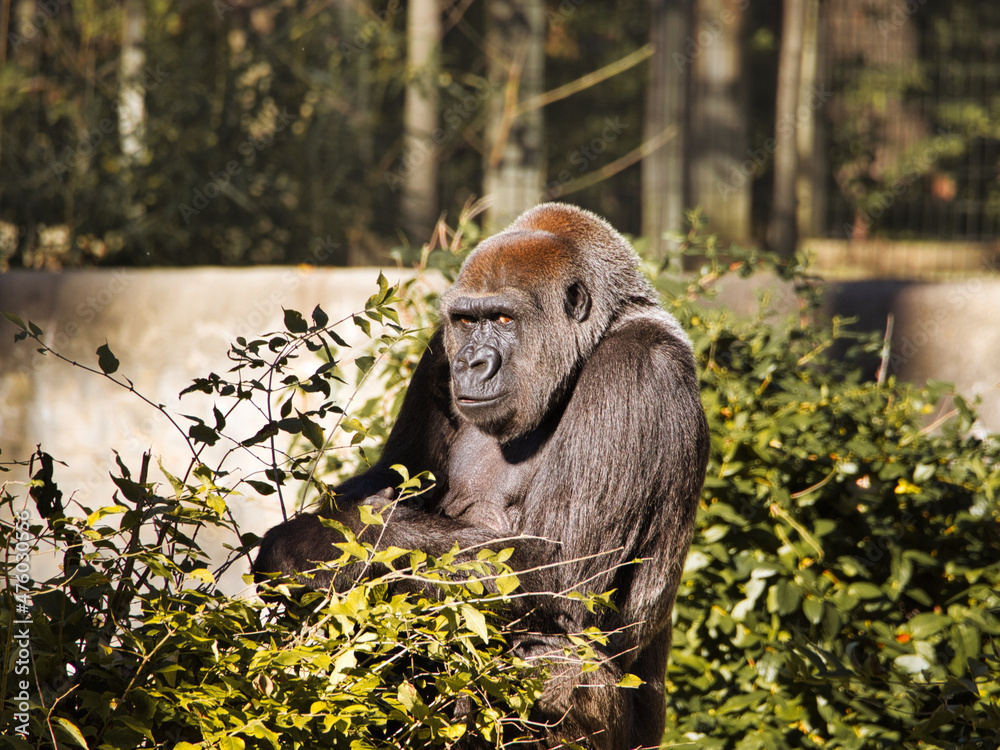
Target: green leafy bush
{"points": [[843, 588], [133, 645], [841, 591]]}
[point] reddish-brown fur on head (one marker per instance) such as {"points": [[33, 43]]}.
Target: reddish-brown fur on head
{"points": [[552, 246], [516, 258]]}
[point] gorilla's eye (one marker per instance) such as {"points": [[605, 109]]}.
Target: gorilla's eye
{"points": [[504, 319], [465, 320]]}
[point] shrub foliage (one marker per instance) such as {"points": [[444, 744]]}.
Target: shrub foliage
{"points": [[842, 588], [841, 591]]}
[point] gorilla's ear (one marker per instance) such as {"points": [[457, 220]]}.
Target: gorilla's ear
{"points": [[577, 301]]}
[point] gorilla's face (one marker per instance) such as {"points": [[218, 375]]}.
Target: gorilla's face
{"points": [[486, 332], [509, 327]]}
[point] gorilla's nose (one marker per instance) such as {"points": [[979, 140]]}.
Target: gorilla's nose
{"points": [[477, 363]]}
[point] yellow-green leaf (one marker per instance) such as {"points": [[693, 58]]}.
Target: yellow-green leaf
{"points": [[370, 516], [100, 513], [71, 729], [506, 584], [475, 621], [202, 574], [630, 681]]}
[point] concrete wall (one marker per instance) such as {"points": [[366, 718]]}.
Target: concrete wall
{"points": [[166, 327], [943, 331], [170, 326]]}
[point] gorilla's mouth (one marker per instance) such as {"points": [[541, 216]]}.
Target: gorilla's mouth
{"points": [[472, 401]]}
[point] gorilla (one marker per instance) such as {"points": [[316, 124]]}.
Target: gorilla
{"points": [[557, 407]]}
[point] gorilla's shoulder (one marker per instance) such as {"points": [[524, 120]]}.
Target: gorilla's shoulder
{"points": [[648, 327], [641, 353]]}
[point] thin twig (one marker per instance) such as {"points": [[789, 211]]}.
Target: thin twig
{"points": [[584, 82], [637, 154], [883, 368]]}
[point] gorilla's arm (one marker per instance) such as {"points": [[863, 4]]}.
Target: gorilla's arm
{"points": [[422, 436], [636, 406], [421, 440], [297, 546]]}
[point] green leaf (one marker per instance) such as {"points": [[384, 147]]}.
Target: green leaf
{"points": [[336, 338], [364, 363], [507, 584], [369, 516], [175, 483], [202, 433], [267, 431], [408, 696], [320, 318], [106, 360], [202, 574], [216, 503], [15, 320], [475, 621], [630, 681], [135, 725], [784, 597], [312, 431], [70, 728], [363, 324], [813, 610], [100, 513], [262, 488], [294, 322], [864, 590], [926, 624], [131, 490]]}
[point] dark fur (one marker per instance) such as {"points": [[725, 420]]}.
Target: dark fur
{"points": [[596, 447]]}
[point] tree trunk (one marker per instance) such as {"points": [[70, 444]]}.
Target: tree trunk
{"points": [[514, 171], [132, 99], [664, 196], [782, 234], [719, 174], [131, 93], [419, 203], [810, 186]]}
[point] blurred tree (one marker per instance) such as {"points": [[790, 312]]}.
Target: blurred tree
{"points": [[664, 194], [132, 100], [915, 146], [422, 136], [782, 235], [810, 184], [514, 168], [275, 131], [717, 145]]}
